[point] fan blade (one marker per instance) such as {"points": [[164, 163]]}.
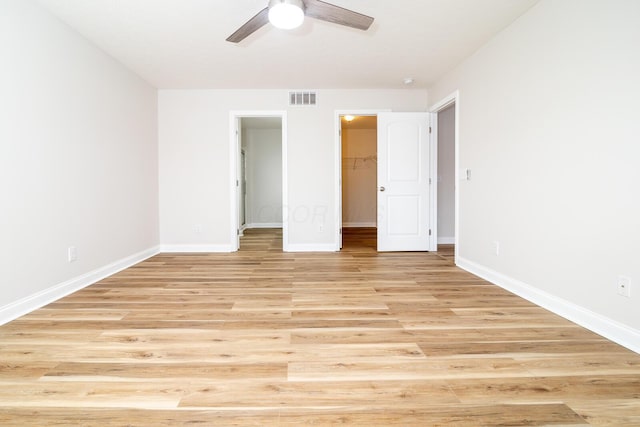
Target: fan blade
{"points": [[336, 14], [252, 25]]}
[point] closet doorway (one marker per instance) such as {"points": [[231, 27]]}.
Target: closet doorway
{"points": [[398, 140], [359, 136]]}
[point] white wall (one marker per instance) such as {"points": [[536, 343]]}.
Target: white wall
{"points": [[446, 175], [194, 160], [359, 177], [263, 148], [549, 127], [78, 160]]}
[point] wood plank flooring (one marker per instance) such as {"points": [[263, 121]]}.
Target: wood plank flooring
{"points": [[265, 338]]}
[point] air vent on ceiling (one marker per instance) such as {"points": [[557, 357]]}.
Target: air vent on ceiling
{"points": [[303, 98]]}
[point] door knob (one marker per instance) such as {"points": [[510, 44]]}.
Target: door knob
{"points": [[382, 188]]}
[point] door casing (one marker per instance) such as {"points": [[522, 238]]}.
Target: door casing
{"points": [[234, 173], [338, 165], [451, 99], [433, 168]]}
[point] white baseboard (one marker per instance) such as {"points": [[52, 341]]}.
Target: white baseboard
{"points": [[446, 240], [311, 247], [264, 225], [195, 248], [359, 224], [602, 325], [30, 303]]}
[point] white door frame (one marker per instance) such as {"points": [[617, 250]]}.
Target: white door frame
{"points": [[338, 165], [447, 101], [433, 182], [234, 170], [433, 217]]}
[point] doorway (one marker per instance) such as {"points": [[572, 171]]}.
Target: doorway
{"points": [[258, 149], [407, 169], [446, 175], [359, 136], [447, 138]]}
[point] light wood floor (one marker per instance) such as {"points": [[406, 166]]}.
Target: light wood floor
{"points": [[266, 338]]}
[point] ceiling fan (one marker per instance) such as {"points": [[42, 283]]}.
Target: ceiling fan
{"points": [[288, 14]]}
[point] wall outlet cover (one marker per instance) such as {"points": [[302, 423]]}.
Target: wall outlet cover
{"points": [[624, 286]]}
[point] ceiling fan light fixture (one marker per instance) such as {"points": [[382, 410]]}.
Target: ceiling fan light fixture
{"points": [[286, 14]]}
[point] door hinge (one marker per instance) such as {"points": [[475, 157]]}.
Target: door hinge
{"points": [[429, 181], [429, 129], [237, 231], [429, 232], [237, 183]]}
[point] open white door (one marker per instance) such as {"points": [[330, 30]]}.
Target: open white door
{"points": [[403, 182]]}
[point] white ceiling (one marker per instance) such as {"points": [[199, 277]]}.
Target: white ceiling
{"points": [[181, 43]]}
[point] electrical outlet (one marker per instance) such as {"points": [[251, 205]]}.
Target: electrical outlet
{"points": [[197, 228], [624, 286], [72, 254], [496, 248]]}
